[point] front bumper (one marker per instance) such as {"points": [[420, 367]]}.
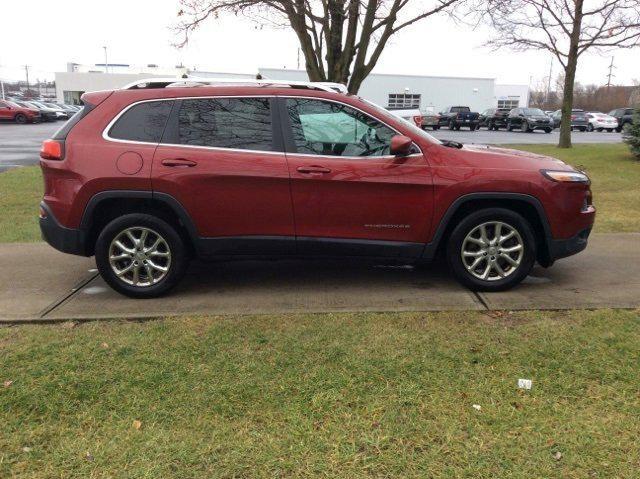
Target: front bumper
{"points": [[567, 247], [67, 240]]}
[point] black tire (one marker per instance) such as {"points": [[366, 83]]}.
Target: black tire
{"points": [[457, 127], [20, 118], [619, 129], [452, 125], [509, 126], [525, 127], [547, 130], [179, 259], [583, 129], [590, 127], [609, 130], [437, 127], [474, 220]]}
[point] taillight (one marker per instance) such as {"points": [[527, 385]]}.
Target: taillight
{"points": [[52, 150], [417, 120]]}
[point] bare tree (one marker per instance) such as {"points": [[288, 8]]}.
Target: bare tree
{"points": [[341, 40], [567, 29]]}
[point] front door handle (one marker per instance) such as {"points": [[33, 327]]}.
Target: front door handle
{"points": [[314, 169], [179, 162]]}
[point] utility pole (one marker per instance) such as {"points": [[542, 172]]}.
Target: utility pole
{"points": [[549, 81], [26, 69], [611, 67], [2, 88], [106, 63], [298, 67]]}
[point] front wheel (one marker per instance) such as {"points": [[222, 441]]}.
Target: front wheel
{"points": [[583, 129], [491, 250], [140, 255], [547, 130], [20, 118], [436, 127], [590, 127]]}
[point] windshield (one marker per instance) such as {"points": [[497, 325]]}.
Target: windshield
{"points": [[533, 111], [460, 109], [385, 114], [12, 104]]}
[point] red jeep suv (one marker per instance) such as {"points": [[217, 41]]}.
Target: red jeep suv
{"points": [[156, 173]]}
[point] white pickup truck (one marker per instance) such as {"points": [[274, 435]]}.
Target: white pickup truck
{"points": [[413, 115]]}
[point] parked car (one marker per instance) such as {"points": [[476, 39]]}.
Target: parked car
{"points": [[68, 109], [412, 115], [145, 178], [60, 112], [430, 119], [601, 121], [11, 111], [494, 118], [623, 116], [528, 120], [579, 120], [456, 117], [46, 114]]}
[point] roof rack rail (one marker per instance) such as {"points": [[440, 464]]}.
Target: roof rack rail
{"points": [[195, 82]]}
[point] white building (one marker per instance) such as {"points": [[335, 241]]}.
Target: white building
{"points": [[389, 90]]}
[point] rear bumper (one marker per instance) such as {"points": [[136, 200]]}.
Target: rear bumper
{"points": [[567, 247], [63, 239]]}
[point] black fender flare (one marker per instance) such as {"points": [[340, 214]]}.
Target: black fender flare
{"points": [[431, 248], [168, 200]]}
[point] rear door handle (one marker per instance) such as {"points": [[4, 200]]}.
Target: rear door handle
{"points": [[178, 162], [314, 169]]}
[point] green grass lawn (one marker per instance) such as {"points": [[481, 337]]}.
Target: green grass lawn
{"points": [[333, 395], [615, 175], [20, 194]]}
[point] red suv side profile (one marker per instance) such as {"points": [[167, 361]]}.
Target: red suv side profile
{"points": [[14, 112], [147, 177]]}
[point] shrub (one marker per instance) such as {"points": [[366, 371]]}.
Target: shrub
{"points": [[631, 135]]}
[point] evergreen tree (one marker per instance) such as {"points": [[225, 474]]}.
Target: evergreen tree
{"points": [[632, 135]]}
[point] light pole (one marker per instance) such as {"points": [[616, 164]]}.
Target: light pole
{"points": [[106, 63]]}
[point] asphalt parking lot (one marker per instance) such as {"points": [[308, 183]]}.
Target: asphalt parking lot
{"points": [[20, 144], [41, 284]]}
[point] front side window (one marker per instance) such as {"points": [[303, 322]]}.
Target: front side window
{"points": [[142, 122], [238, 123], [333, 129]]}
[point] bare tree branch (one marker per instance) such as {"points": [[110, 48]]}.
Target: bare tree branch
{"points": [[341, 40]]}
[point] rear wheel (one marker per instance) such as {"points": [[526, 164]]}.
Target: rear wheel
{"points": [[20, 118], [491, 250], [547, 130], [590, 127], [525, 127], [436, 127], [140, 255], [583, 128]]}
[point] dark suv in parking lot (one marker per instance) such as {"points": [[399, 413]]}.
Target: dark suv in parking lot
{"points": [[624, 117], [162, 171], [529, 119], [494, 118], [579, 119]]}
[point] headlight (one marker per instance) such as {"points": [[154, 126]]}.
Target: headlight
{"points": [[566, 176]]}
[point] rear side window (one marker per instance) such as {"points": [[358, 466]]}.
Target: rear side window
{"points": [[142, 122], [64, 130], [238, 123]]}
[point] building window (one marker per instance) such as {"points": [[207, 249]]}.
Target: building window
{"points": [[511, 104], [403, 100]]}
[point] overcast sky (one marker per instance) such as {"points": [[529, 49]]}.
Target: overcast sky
{"points": [[138, 32]]}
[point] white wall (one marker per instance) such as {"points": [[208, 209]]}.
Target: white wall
{"points": [[438, 92], [83, 82]]}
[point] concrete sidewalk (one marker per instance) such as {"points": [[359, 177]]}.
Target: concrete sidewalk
{"points": [[38, 283]]}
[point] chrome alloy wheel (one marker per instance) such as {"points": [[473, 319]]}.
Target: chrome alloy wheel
{"points": [[139, 256], [492, 251]]}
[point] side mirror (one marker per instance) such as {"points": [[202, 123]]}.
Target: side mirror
{"points": [[401, 145]]}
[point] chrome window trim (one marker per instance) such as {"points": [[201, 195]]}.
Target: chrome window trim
{"points": [[105, 132]]}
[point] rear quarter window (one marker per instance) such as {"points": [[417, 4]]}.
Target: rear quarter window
{"points": [[142, 122]]}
